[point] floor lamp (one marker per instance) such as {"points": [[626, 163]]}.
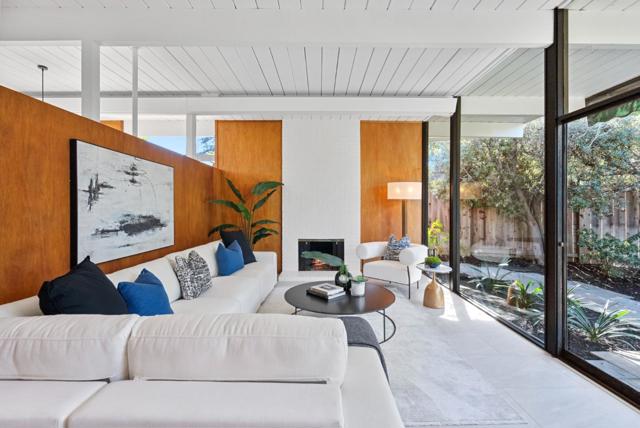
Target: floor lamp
{"points": [[404, 191]]}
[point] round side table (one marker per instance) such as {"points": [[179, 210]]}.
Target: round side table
{"points": [[433, 295]]}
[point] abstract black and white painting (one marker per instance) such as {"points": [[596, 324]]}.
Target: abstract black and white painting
{"points": [[123, 204]]}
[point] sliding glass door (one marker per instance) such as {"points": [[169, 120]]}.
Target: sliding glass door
{"points": [[603, 240]]}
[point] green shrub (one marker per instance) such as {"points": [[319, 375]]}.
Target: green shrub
{"points": [[610, 252], [525, 296]]}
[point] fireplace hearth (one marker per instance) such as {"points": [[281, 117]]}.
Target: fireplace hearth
{"points": [[335, 247]]}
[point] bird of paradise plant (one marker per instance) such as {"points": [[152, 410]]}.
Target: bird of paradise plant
{"points": [[246, 206]]}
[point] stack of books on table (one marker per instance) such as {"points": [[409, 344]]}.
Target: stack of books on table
{"points": [[326, 291]]}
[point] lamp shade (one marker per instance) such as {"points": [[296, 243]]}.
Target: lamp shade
{"points": [[404, 190]]}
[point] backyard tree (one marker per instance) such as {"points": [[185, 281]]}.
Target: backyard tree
{"points": [[508, 173]]}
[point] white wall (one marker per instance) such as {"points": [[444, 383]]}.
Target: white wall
{"points": [[321, 173]]}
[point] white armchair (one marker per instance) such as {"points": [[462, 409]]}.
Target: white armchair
{"points": [[403, 271]]}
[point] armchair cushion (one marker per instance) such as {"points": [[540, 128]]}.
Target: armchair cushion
{"points": [[370, 250], [415, 254]]}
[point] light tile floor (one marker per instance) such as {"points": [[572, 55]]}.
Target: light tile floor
{"points": [[544, 391], [549, 393]]}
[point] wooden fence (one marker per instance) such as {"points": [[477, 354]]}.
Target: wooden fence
{"points": [[487, 228]]}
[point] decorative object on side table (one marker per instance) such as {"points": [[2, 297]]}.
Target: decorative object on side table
{"points": [[246, 206], [433, 295], [343, 277], [358, 285], [433, 261]]}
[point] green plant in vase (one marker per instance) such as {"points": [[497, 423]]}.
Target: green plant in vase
{"points": [[343, 277], [246, 206], [433, 261]]}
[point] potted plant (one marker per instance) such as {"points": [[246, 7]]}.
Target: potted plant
{"points": [[432, 261], [358, 285], [246, 206], [343, 277]]}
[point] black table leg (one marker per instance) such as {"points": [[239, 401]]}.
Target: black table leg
{"points": [[386, 317]]}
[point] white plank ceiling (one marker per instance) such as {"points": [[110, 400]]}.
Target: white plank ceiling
{"points": [[590, 71], [503, 5], [300, 71], [307, 71]]}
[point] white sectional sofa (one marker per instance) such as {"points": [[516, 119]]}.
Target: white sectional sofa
{"points": [[242, 292], [212, 364]]}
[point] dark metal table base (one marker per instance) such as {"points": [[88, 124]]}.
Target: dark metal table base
{"points": [[385, 317]]}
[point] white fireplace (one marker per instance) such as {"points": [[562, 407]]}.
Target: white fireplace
{"points": [[321, 197]]}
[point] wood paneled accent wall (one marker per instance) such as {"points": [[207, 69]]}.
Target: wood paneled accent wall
{"points": [[35, 202], [248, 152], [115, 124], [389, 151]]}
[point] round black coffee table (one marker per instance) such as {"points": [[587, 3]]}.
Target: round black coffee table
{"points": [[375, 299]]}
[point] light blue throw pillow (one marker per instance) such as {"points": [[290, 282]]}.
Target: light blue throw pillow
{"points": [[229, 259], [394, 247]]}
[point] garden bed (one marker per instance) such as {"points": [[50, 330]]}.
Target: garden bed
{"points": [[627, 282]]}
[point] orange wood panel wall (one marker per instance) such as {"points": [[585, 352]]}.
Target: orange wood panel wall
{"points": [[115, 124], [35, 202], [248, 152], [389, 151]]}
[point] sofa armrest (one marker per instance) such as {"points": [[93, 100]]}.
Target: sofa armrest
{"points": [[370, 250], [413, 255], [267, 256]]}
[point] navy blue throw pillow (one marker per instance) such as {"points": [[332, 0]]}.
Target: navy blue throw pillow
{"points": [[228, 236], [146, 296], [229, 259], [84, 290]]}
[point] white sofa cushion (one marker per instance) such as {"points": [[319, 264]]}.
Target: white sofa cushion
{"points": [[161, 268], [42, 404], [65, 347], [244, 290], [207, 306], [238, 347], [366, 397], [28, 307], [136, 404], [266, 275]]}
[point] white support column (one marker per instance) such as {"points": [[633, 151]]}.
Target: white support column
{"points": [[134, 91], [191, 135], [90, 79]]}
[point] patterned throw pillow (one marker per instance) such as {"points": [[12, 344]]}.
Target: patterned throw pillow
{"points": [[394, 247], [193, 275]]}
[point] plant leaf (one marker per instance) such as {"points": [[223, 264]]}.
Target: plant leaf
{"points": [[258, 237], [230, 204], [263, 186], [261, 222], [262, 201], [222, 227], [265, 230], [238, 207], [235, 190], [329, 259]]}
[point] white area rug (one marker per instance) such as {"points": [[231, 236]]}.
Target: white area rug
{"points": [[432, 384]]}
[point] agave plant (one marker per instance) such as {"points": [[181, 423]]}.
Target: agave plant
{"points": [[610, 326], [246, 206], [490, 280]]}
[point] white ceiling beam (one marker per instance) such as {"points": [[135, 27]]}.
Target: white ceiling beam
{"points": [[227, 106], [510, 106], [188, 27], [596, 28]]}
